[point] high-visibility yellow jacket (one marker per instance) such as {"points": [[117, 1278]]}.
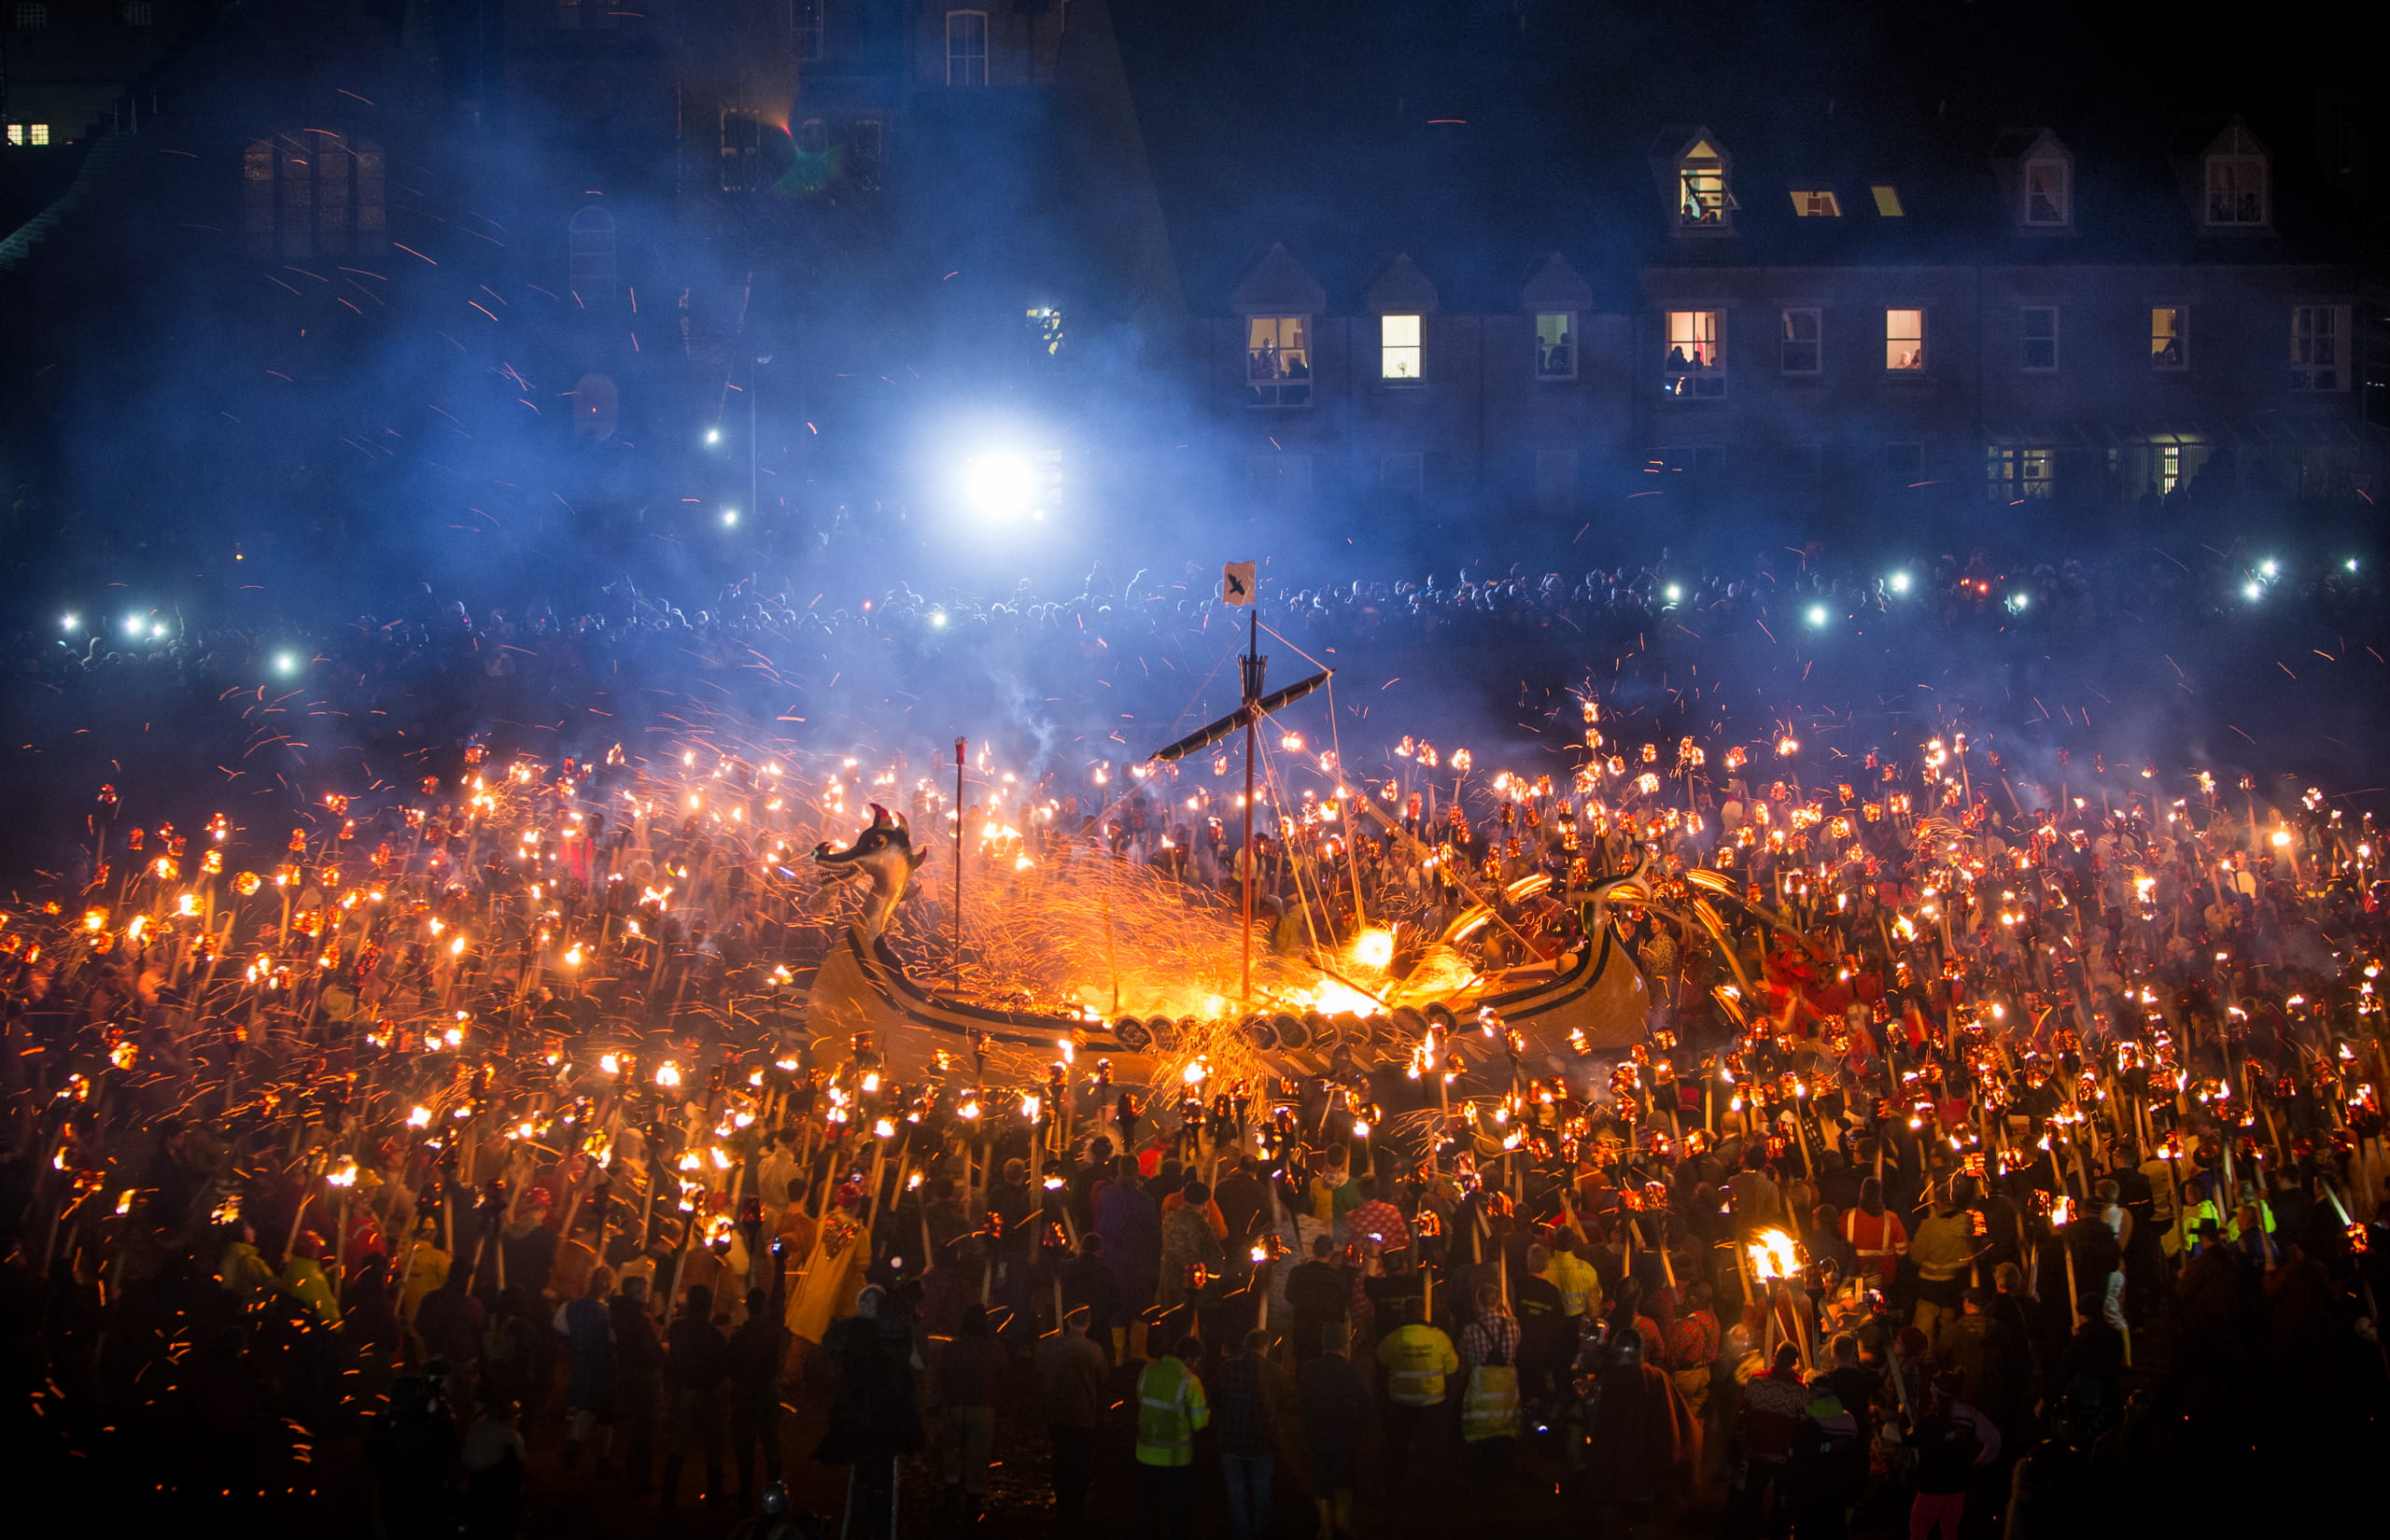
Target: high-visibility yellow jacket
{"points": [[1576, 1279], [303, 1279], [1170, 1409], [1416, 1358]]}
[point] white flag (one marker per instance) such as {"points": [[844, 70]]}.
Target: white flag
{"points": [[1236, 582]]}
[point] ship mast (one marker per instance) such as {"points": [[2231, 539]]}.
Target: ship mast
{"points": [[1253, 666]]}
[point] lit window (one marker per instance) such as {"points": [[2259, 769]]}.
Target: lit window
{"points": [[1903, 339], [2236, 190], [805, 29], [2046, 193], [1816, 206], [1703, 197], [1399, 347], [2170, 469], [1803, 332], [36, 134], [1556, 345], [1045, 329], [1277, 360], [2316, 347], [2167, 344], [2015, 474], [967, 48], [1888, 200], [32, 18], [138, 14], [1696, 361], [2037, 333]]}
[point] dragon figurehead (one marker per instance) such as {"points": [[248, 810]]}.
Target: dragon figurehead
{"points": [[883, 852]]}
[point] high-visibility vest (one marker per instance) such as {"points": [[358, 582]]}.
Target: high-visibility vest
{"points": [[2195, 1212], [1883, 1255], [1490, 1408], [1170, 1410], [1575, 1278], [1416, 1358]]}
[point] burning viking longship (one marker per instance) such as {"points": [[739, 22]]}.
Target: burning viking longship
{"points": [[1593, 998], [1589, 1000]]}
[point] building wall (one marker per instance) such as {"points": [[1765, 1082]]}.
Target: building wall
{"points": [[1854, 430]]}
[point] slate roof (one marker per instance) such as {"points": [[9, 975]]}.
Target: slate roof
{"points": [[1476, 138]]}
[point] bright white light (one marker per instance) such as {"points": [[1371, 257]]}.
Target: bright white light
{"points": [[937, 617], [1674, 592], [159, 629], [2018, 601], [2252, 590], [729, 516], [133, 626], [999, 485], [714, 435], [68, 622], [1898, 583], [2269, 568], [2350, 563], [1817, 614], [285, 663]]}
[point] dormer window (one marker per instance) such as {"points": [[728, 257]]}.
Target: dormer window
{"points": [[2236, 180], [1821, 204], [1888, 200], [1704, 199], [1400, 349], [2047, 194]]}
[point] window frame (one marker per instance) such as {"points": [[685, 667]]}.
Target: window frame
{"points": [[2007, 468], [1887, 199], [2181, 338], [2264, 190], [1714, 206], [27, 16], [1820, 203], [1699, 375], [2304, 369], [1922, 340], [1390, 351], [1573, 331], [865, 142], [1815, 341], [2025, 339], [952, 57], [138, 13], [2064, 201], [1276, 386], [806, 20], [2167, 473]]}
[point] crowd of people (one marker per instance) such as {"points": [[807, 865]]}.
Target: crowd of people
{"points": [[1982, 1157]]}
